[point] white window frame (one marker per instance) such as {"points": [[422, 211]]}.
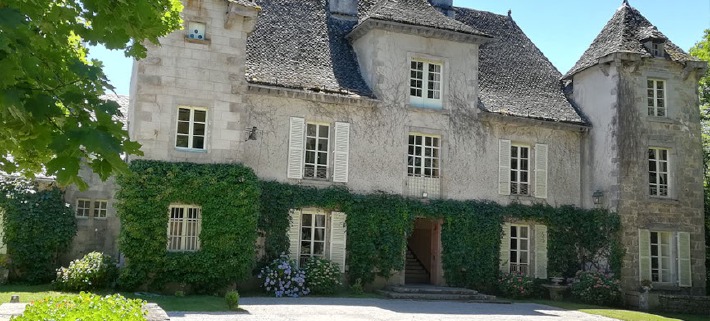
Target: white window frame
{"points": [[434, 157], [664, 251], [516, 159], [189, 240], [653, 100], [84, 210], [656, 189], [312, 240], [318, 154], [419, 90], [100, 208], [196, 29], [191, 129], [518, 265]]}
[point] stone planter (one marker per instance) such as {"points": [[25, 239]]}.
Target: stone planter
{"points": [[556, 291]]}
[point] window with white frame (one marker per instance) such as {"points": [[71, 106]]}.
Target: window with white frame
{"points": [[657, 49], [313, 229], [191, 128], [423, 156], [658, 172], [83, 207], [519, 249], [184, 226], [100, 208], [317, 145], [656, 97], [661, 246], [519, 170], [425, 84]]}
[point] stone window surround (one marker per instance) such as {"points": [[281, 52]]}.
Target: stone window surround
{"points": [[97, 208], [519, 248], [184, 222], [83, 209], [674, 230], [91, 209], [444, 62], [529, 171], [208, 125], [312, 227], [443, 150], [672, 196], [328, 150], [422, 156], [655, 106]]}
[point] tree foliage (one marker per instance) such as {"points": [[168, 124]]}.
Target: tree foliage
{"points": [[51, 116], [701, 50]]}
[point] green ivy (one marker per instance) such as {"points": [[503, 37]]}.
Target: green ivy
{"points": [[229, 197], [38, 226], [379, 224]]}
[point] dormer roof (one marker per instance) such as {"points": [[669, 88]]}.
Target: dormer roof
{"points": [[626, 32]]}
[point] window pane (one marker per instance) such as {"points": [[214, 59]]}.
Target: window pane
{"points": [[199, 129], [183, 128], [320, 220], [524, 231], [200, 116], [311, 130], [198, 142], [305, 248], [323, 131], [322, 158], [307, 220], [523, 257], [318, 248], [513, 231], [184, 114]]}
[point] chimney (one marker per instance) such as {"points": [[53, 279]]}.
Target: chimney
{"points": [[343, 8], [445, 6]]}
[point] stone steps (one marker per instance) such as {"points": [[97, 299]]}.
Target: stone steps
{"points": [[434, 293]]}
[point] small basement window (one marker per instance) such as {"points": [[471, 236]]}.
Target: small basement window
{"points": [[196, 30]]}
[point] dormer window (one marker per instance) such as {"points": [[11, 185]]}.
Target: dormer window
{"points": [[196, 31], [425, 84], [655, 47]]}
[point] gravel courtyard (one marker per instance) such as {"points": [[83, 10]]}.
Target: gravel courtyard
{"points": [[349, 309]]}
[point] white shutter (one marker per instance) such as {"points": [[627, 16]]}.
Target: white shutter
{"points": [[341, 152], [685, 278], [505, 249], [504, 167], [295, 148], [541, 251], [541, 170], [644, 255], [338, 239], [294, 235]]}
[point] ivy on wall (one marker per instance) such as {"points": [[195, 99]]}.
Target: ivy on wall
{"points": [[235, 205], [229, 197], [379, 224], [38, 226]]}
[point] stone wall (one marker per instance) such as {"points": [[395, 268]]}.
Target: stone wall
{"points": [[685, 304]]}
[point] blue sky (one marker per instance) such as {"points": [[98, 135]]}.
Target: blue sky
{"points": [[562, 29]]}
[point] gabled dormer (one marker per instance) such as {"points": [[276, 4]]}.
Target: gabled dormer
{"points": [[413, 53]]}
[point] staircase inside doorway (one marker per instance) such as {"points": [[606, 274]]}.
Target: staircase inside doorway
{"points": [[415, 272]]}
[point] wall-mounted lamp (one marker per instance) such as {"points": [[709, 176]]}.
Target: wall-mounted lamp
{"points": [[597, 197], [251, 134], [425, 195]]}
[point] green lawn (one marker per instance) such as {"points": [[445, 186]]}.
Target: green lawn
{"points": [[627, 315]]}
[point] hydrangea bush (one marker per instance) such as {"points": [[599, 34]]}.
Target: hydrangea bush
{"points": [[282, 278], [322, 276], [516, 285], [596, 288], [94, 271]]}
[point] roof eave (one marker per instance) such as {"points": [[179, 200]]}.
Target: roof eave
{"points": [[425, 31], [536, 121]]}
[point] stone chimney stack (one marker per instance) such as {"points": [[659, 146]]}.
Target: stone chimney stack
{"points": [[343, 7], [445, 6]]}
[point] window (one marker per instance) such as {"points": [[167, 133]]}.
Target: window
{"points": [[196, 30], [660, 257], [519, 170], [100, 209], [425, 84], [656, 97], [317, 142], [184, 225], [312, 236], [657, 49], [519, 249], [191, 128], [664, 257], [658, 172], [83, 208], [423, 156]]}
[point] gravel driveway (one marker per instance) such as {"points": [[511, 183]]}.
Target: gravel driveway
{"points": [[348, 309]]}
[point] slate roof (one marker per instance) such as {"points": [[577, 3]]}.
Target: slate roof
{"points": [[413, 12], [515, 77], [246, 3], [297, 44], [624, 33], [122, 101]]}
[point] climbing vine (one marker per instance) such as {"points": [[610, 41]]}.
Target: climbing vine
{"points": [[379, 224], [38, 226], [228, 195]]}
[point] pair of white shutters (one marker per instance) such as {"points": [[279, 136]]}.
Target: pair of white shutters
{"points": [[685, 278], [296, 149], [338, 237], [540, 251], [540, 151]]}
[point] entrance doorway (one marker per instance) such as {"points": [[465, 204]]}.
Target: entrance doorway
{"points": [[423, 257]]}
